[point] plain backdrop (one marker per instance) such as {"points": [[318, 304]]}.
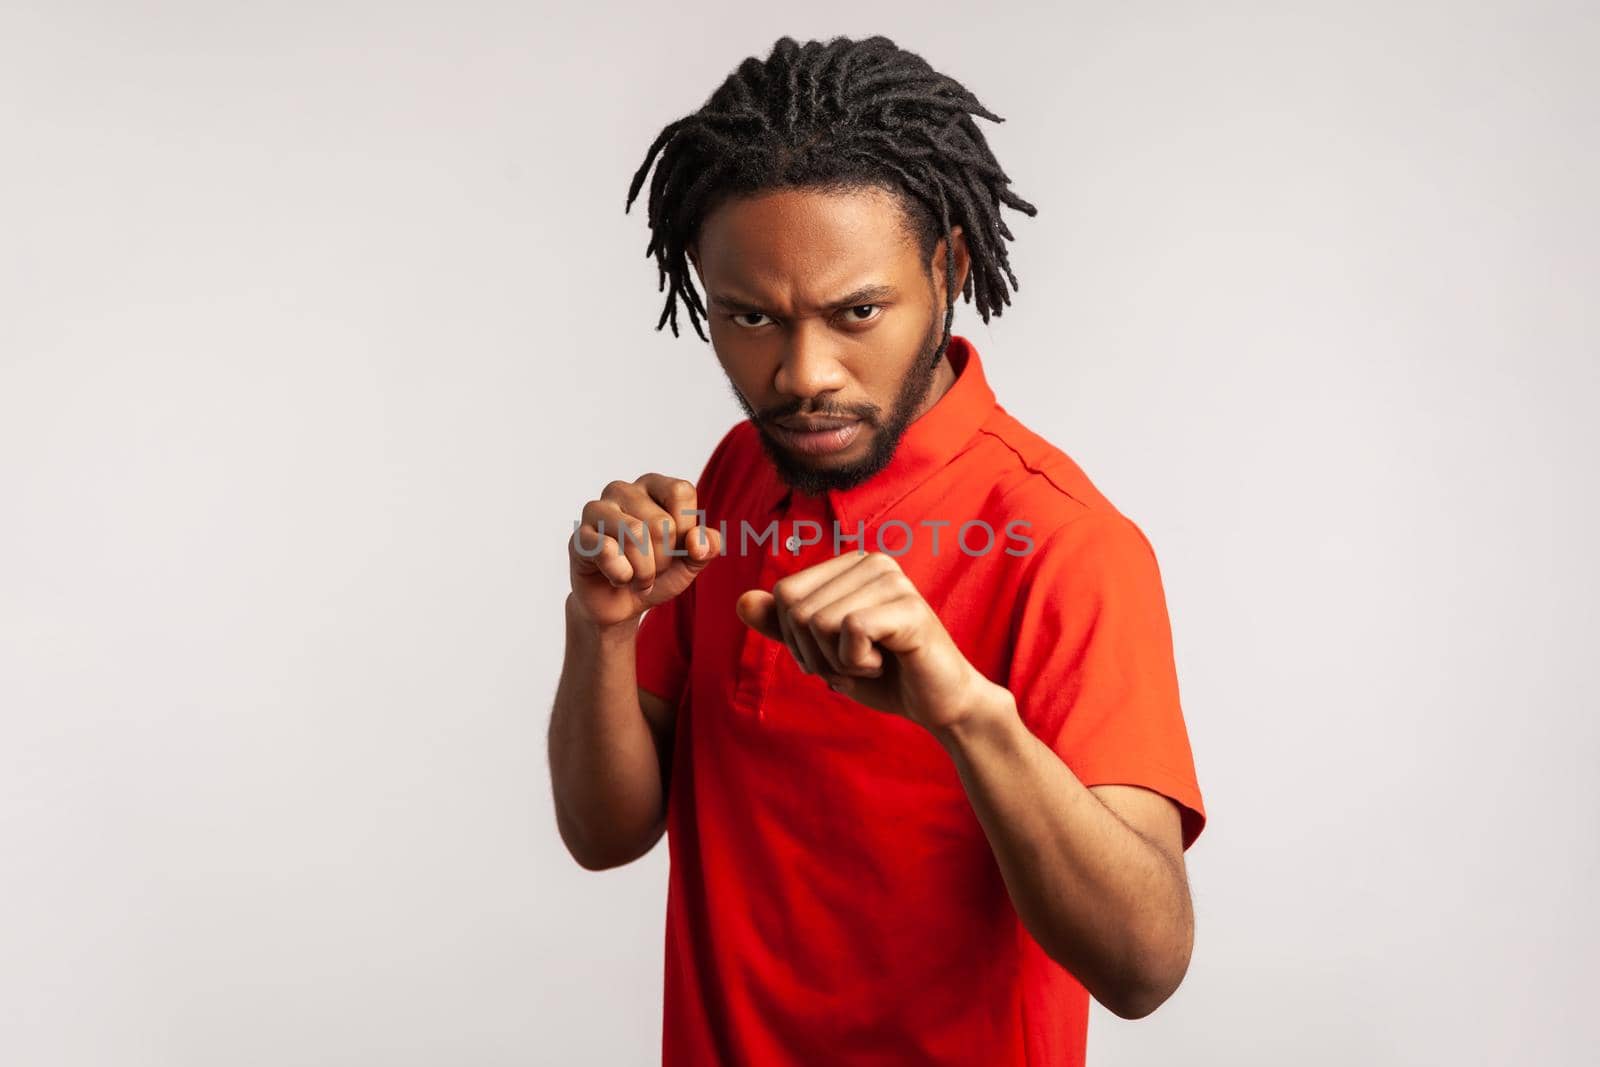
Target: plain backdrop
{"points": [[319, 323]]}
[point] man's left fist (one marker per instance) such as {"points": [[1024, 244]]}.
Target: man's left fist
{"points": [[859, 623]]}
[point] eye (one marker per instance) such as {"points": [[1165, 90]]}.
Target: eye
{"points": [[741, 316], [851, 312]]}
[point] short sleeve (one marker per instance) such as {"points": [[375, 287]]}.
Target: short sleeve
{"points": [[664, 642], [1092, 667], [662, 647]]}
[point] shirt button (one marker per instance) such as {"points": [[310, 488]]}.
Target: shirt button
{"points": [[793, 544]]}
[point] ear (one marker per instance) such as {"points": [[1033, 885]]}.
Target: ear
{"points": [[958, 241]]}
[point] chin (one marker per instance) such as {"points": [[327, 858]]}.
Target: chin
{"points": [[834, 459]]}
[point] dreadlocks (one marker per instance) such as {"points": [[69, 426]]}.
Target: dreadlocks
{"points": [[835, 116]]}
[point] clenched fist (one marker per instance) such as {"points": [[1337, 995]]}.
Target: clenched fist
{"points": [[858, 622], [637, 546]]}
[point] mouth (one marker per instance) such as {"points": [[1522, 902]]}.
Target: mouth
{"points": [[817, 437]]}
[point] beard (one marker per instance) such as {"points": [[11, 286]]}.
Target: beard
{"points": [[886, 430]]}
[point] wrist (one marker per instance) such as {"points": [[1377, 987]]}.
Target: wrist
{"points": [[601, 632], [992, 711]]}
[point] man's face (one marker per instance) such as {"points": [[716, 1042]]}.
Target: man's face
{"points": [[821, 310]]}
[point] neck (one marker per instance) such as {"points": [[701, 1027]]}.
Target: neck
{"points": [[944, 376]]}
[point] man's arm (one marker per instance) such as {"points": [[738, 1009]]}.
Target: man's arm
{"points": [[1096, 873], [610, 740], [610, 744]]}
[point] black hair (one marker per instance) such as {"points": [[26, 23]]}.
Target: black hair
{"points": [[836, 115]]}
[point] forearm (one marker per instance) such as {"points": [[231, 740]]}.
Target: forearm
{"points": [[1100, 899], [604, 766]]}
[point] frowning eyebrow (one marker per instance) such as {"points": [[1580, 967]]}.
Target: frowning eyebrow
{"points": [[865, 295]]}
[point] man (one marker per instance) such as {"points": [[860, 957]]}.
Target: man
{"points": [[906, 709]]}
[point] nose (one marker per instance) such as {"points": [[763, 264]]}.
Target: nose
{"points": [[810, 365]]}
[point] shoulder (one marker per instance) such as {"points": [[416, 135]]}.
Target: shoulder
{"points": [[736, 467], [729, 456], [1041, 484], [1091, 573]]}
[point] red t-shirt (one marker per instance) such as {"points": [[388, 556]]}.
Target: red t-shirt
{"points": [[832, 897]]}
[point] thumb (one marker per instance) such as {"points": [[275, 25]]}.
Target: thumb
{"points": [[758, 609], [698, 553]]}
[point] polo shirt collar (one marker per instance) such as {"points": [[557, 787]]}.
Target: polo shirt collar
{"points": [[933, 440]]}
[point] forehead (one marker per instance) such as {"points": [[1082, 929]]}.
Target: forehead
{"points": [[788, 237]]}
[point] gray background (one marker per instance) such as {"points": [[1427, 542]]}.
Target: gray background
{"points": [[318, 323]]}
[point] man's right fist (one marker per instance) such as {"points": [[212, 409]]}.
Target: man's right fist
{"points": [[617, 575]]}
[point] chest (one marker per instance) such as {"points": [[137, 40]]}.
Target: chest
{"points": [[753, 702]]}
